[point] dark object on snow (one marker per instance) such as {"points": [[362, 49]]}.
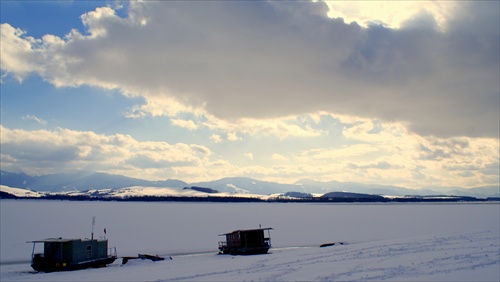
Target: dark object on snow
{"points": [[331, 244], [143, 256], [246, 242], [71, 254]]}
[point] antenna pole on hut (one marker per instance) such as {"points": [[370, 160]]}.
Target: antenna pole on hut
{"points": [[93, 223]]}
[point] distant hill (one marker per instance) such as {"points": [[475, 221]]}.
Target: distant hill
{"points": [[79, 181], [376, 189], [247, 185], [490, 191], [18, 180], [298, 195], [361, 188], [201, 189], [348, 195]]}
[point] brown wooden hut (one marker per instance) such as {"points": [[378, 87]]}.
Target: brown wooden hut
{"points": [[246, 242]]}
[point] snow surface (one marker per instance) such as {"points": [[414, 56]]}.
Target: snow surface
{"points": [[134, 191], [19, 192], [397, 242]]}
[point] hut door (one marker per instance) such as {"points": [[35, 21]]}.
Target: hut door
{"points": [[88, 251], [58, 252]]}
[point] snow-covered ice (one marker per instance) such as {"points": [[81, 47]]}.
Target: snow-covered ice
{"points": [[397, 242]]}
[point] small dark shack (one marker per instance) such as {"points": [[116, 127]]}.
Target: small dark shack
{"points": [[246, 242], [70, 254]]}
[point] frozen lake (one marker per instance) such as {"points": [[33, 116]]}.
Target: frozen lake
{"points": [[173, 229]]}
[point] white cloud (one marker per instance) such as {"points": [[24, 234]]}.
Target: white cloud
{"points": [[393, 14], [278, 157], [350, 152], [36, 119], [187, 124], [158, 104], [249, 155], [98, 22], [18, 55], [216, 138], [44, 151], [282, 128], [233, 136]]}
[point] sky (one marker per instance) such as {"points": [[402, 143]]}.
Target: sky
{"points": [[392, 93]]}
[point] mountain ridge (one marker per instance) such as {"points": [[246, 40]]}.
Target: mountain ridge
{"points": [[88, 180]]}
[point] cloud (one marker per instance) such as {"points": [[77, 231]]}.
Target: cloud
{"points": [[263, 60], [392, 14], [279, 157], [286, 127], [36, 119], [249, 155], [389, 153], [215, 138], [44, 151], [380, 165], [19, 54], [232, 136], [188, 124], [148, 160]]}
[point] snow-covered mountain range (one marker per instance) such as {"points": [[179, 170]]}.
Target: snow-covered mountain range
{"points": [[102, 183]]}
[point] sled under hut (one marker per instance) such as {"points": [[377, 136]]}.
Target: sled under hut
{"points": [[246, 242]]}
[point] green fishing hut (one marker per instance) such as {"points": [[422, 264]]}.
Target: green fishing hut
{"points": [[70, 254]]}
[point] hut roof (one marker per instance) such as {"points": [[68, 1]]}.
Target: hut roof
{"points": [[59, 240], [246, 230]]}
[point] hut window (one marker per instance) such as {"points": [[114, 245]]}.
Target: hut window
{"points": [[89, 248]]}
